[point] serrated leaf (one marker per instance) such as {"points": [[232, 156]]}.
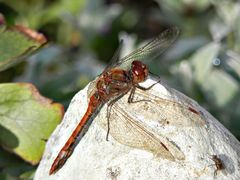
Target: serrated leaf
{"points": [[17, 43], [26, 120]]}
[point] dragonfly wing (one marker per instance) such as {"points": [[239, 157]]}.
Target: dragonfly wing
{"points": [[151, 49], [92, 88], [166, 111], [115, 59], [130, 132]]}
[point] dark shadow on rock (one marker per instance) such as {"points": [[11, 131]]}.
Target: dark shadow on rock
{"points": [[228, 163]]}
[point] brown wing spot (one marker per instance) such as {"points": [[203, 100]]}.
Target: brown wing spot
{"points": [[193, 110], [164, 146]]}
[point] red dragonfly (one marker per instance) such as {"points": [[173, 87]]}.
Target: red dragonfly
{"points": [[121, 76]]}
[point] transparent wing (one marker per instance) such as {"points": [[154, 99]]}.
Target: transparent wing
{"points": [[128, 131], [166, 111], [92, 88], [115, 59], [151, 49]]}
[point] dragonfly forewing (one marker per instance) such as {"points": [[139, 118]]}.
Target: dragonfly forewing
{"points": [[92, 88], [152, 49], [165, 110]]}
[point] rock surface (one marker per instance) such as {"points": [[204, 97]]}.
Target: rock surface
{"points": [[193, 138]]}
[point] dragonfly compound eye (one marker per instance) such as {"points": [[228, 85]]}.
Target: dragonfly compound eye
{"points": [[139, 71]]}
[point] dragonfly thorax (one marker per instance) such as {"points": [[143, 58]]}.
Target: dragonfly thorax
{"points": [[139, 72]]}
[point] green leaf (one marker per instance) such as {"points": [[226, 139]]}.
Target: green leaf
{"points": [[216, 86], [13, 166], [182, 5], [26, 120], [28, 175], [202, 61], [5, 176], [17, 43]]}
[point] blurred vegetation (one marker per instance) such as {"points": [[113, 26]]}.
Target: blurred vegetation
{"points": [[204, 63]]}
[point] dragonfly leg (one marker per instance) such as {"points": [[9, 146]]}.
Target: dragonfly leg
{"points": [[131, 97], [147, 88], [109, 107]]}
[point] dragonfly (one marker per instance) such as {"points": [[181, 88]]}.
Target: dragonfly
{"points": [[120, 77]]}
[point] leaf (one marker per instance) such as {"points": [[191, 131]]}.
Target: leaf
{"points": [[6, 176], [13, 166], [28, 175], [26, 120], [180, 6], [216, 86], [16, 43], [202, 61]]}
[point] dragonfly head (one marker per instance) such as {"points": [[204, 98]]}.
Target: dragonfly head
{"points": [[139, 71]]}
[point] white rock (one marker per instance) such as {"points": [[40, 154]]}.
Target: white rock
{"points": [[192, 141]]}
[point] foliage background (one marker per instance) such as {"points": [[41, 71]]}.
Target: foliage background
{"points": [[204, 63]]}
